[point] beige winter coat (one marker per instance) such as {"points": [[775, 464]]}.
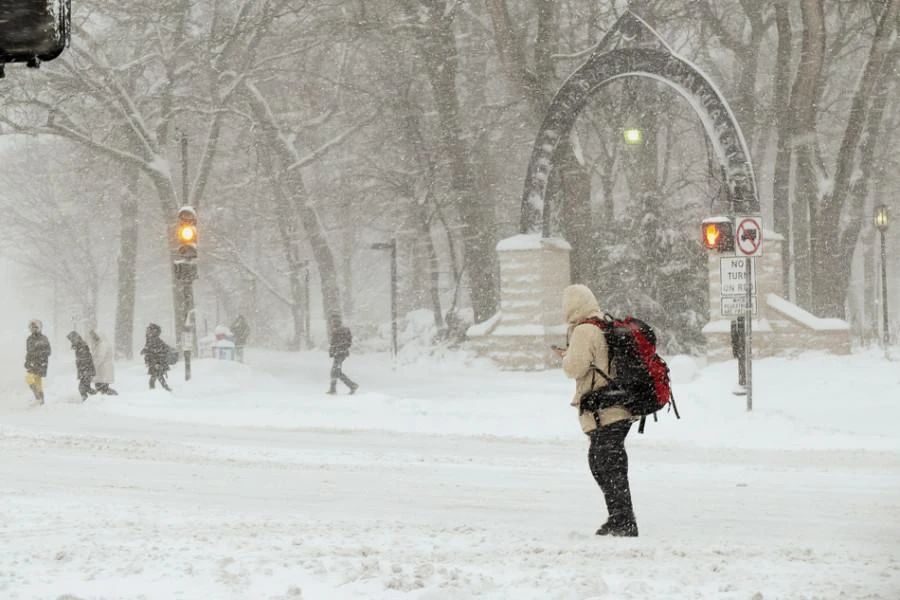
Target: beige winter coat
{"points": [[587, 347]]}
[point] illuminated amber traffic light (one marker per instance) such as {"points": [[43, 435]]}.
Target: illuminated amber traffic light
{"points": [[186, 232], [718, 234]]}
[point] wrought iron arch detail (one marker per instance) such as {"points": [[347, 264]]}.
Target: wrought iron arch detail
{"points": [[663, 65]]}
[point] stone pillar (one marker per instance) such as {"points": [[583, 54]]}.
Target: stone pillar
{"points": [[533, 273], [779, 327]]}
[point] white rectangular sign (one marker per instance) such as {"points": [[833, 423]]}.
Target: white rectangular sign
{"points": [[736, 306], [733, 273]]}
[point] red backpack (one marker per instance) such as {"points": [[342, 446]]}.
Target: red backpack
{"points": [[642, 381]]}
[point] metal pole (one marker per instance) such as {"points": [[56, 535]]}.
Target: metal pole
{"points": [[184, 170], [884, 294], [748, 349], [394, 346], [187, 340], [306, 318]]}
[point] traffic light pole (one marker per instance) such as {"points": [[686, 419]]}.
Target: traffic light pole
{"points": [[188, 329]]}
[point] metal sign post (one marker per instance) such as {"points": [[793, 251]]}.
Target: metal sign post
{"points": [[748, 240], [748, 335]]}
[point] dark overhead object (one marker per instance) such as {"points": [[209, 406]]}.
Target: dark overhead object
{"points": [[32, 31]]}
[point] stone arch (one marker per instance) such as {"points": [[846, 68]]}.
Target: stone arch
{"points": [[663, 65]]}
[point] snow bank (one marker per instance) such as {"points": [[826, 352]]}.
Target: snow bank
{"points": [[814, 401]]}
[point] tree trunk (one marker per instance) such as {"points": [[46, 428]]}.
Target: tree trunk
{"points": [[288, 231], [479, 220], [294, 188], [781, 179], [804, 97], [127, 270], [832, 247], [569, 187]]}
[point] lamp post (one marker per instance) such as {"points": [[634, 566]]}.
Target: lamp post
{"points": [[881, 222], [392, 246]]}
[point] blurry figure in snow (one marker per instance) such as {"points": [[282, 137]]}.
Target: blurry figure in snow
{"points": [[156, 357], [37, 356], [84, 365], [241, 331], [339, 350], [739, 351], [103, 363], [585, 353]]}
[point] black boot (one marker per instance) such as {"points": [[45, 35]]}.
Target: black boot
{"points": [[619, 526]]}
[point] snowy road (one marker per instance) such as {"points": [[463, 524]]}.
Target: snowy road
{"points": [[133, 508]]}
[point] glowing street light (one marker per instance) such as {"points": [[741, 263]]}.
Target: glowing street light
{"points": [[633, 136]]}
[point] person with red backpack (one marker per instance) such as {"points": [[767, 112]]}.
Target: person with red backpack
{"points": [[586, 352]]}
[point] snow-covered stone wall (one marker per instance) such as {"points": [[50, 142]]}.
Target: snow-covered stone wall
{"points": [[780, 327]]}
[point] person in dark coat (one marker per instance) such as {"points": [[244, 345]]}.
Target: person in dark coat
{"points": [[241, 331], [37, 357], [156, 357], [339, 350], [84, 365]]}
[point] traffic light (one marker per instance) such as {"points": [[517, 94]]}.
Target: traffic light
{"points": [[718, 234], [32, 31], [186, 233]]}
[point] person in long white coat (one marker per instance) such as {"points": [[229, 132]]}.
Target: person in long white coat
{"points": [[103, 363]]}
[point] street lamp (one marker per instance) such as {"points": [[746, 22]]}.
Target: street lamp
{"points": [[881, 222], [633, 136], [392, 246]]}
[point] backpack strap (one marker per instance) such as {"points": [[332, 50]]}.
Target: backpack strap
{"points": [[602, 374]]}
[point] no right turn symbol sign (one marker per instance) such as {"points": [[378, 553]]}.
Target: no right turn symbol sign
{"points": [[748, 236]]}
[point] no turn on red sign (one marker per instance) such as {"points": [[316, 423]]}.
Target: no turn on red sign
{"points": [[748, 236]]}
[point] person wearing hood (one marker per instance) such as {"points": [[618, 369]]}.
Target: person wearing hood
{"points": [[156, 357], [339, 350], [607, 427], [37, 357], [84, 365], [103, 363]]}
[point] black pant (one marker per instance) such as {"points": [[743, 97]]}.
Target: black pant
{"points": [[84, 387], [609, 466], [158, 374], [337, 373]]}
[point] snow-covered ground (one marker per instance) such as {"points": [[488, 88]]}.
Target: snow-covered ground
{"points": [[444, 478]]}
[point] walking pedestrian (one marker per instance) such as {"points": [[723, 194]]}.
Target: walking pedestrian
{"points": [[607, 427], [103, 363], [37, 357], [240, 329], [339, 350], [156, 356], [84, 365]]}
